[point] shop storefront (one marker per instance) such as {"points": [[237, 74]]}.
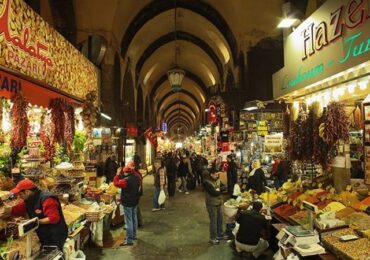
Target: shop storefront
{"points": [[48, 111], [325, 83]]}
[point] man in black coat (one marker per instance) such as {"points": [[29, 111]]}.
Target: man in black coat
{"points": [[232, 174], [252, 223]]}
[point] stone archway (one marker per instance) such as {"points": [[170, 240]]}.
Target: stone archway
{"points": [[128, 99]]}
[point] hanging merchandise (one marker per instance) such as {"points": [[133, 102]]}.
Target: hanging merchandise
{"points": [[286, 125], [20, 122], [358, 118], [58, 119], [336, 126], [89, 113], [297, 141], [69, 125]]}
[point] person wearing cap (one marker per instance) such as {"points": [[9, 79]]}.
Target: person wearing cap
{"points": [[44, 205], [130, 183]]}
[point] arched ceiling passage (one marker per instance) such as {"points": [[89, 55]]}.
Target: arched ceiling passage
{"points": [[176, 105], [177, 118], [183, 92], [181, 125], [187, 85], [179, 121], [182, 112], [179, 35], [188, 75], [163, 59], [180, 98], [176, 102], [157, 7], [175, 110]]}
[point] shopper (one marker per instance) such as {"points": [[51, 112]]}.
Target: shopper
{"points": [[52, 230], [131, 165], [212, 186], [256, 178], [137, 161], [171, 175], [159, 184], [130, 185], [232, 174], [200, 163], [110, 168], [183, 172], [248, 238]]}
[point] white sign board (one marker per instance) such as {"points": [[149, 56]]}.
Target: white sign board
{"points": [[333, 39], [274, 143]]}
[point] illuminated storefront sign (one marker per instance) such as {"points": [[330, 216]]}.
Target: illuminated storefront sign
{"points": [[28, 45], [333, 39]]}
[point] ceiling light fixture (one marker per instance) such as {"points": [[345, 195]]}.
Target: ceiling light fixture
{"points": [[175, 75], [287, 22]]}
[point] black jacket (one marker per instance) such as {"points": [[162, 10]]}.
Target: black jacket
{"points": [[183, 169], [257, 182], [131, 194], [49, 234], [251, 225]]}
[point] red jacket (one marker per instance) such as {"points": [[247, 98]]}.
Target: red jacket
{"points": [[49, 207]]}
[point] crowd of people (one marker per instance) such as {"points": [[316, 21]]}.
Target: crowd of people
{"points": [[187, 169]]}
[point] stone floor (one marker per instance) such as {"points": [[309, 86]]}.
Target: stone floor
{"points": [[179, 232]]}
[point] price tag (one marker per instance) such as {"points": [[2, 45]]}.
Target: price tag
{"points": [[121, 211], [238, 199]]}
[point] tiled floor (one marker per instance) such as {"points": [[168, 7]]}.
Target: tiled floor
{"points": [[179, 232]]}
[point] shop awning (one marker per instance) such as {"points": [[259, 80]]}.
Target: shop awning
{"points": [[36, 92]]}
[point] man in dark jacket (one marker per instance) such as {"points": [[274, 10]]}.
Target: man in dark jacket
{"points": [[232, 174], [171, 174], [111, 167], [130, 184], [252, 223], [52, 230], [137, 161], [212, 187]]}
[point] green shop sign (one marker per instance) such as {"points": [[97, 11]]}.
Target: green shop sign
{"points": [[302, 76]]}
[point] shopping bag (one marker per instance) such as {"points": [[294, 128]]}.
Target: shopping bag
{"points": [[161, 197], [236, 191]]}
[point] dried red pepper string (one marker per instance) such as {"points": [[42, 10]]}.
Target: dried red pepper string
{"points": [[20, 122]]}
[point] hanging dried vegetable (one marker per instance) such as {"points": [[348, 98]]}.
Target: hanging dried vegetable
{"points": [[357, 118], [286, 121], [45, 135], [323, 152], [69, 125], [58, 119], [20, 122], [297, 141], [89, 113], [308, 130], [336, 124]]}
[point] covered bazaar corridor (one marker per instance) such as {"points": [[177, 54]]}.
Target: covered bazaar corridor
{"points": [[181, 231]]}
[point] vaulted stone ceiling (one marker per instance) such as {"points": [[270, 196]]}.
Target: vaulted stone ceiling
{"points": [[208, 38]]}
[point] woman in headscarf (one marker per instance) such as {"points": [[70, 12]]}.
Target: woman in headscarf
{"points": [[256, 178]]}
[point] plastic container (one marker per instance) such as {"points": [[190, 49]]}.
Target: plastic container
{"points": [[230, 211]]}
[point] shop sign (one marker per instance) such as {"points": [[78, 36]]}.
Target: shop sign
{"points": [[164, 127], [132, 131], [212, 116], [333, 39], [32, 47], [273, 144], [262, 128]]}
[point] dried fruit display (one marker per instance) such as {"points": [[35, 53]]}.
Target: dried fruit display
{"points": [[309, 127], [20, 122]]}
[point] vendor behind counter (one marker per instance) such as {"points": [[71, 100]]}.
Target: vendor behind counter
{"points": [[44, 205]]}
